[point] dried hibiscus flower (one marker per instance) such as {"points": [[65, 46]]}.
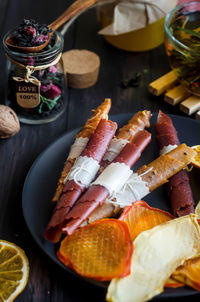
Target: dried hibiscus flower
{"points": [[30, 33]]}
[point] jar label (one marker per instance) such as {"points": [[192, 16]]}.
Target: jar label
{"points": [[27, 94]]}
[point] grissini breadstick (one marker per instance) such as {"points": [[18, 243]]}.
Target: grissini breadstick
{"points": [[179, 190], [138, 122], [81, 140], [80, 176], [126, 134], [112, 178], [152, 176]]}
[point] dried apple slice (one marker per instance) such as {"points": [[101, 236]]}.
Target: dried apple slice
{"points": [[197, 209], [141, 217], [156, 256], [101, 250]]}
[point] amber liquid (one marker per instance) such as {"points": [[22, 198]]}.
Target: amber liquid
{"points": [[186, 63]]}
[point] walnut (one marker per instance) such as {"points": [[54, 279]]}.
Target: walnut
{"points": [[9, 123]]}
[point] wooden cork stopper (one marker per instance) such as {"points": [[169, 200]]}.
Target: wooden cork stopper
{"points": [[81, 68]]}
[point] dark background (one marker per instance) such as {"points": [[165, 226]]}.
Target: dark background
{"points": [[47, 282]]}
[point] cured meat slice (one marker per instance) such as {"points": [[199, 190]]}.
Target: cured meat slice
{"points": [[170, 138], [179, 190]]}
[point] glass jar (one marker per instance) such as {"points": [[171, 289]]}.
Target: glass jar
{"points": [[182, 44], [36, 82]]}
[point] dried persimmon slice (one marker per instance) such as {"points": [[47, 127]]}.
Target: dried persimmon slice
{"points": [[189, 273], [101, 250], [173, 283], [141, 217]]}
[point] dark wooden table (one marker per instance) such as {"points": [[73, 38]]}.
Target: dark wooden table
{"points": [[47, 281]]}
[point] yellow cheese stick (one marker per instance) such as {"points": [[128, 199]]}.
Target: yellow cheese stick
{"points": [[190, 105], [176, 95], [163, 83]]}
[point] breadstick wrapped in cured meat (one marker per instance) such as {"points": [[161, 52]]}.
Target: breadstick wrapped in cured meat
{"points": [[179, 190], [131, 132], [152, 176], [111, 179], [81, 141], [126, 134], [139, 184], [80, 176]]}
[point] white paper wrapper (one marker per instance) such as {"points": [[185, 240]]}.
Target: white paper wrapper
{"points": [[130, 15], [134, 189], [83, 171], [113, 177], [77, 147], [167, 149], [115, 147]]}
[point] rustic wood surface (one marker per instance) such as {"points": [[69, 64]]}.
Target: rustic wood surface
{"points": [[47, 281]]}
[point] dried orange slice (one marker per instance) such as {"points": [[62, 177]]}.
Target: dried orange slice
{"points": [[14, 271], [141, 217], [101, 250], [196, 160]]}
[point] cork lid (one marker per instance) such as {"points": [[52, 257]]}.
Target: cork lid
{"points": [[81, 68]]}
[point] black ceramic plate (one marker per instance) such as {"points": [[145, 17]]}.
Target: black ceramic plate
{"points": [[42, 179]]}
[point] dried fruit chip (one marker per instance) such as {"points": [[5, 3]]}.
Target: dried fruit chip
{"points": [[101, 250], [156, 256], [189, 273], [197, 209], [196, 161], [141, 217], [14, 271], [173, 283]]}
